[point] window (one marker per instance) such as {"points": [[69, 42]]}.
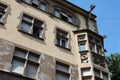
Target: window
{"points": [[32, 26], [81, 37], [82, 46], [62, 71], [105, 76], [92, 47], [97, 72], [43, 6], [86, 72], [3, 9], [64, 16], [37, 4], [99, 51], [25, 63], [62, 38]]}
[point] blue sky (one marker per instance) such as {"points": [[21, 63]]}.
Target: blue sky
{"points": [[108, 20]]}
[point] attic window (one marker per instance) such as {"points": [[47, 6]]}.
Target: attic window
{"points": [[37, 4], [63, 15]]}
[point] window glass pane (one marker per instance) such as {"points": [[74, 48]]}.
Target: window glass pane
{"points": [[17, 66], [81, 37], [82, 47], [36, 2], [86, 72], [33, 57], [28, 1], [43, 6], [63, 43], [97, 73], [64, 14], [25, 27], [2, 7], [57, 13], [58, 41], [38, 23], [20, 54], [61, 77], [62, 68], [70, 19], [31, 70], [28, 19], [92, 47], [37, 31], [1, 17], [105, 77]]}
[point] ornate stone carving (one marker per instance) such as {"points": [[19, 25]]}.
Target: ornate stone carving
{"points": [[84, 58]]}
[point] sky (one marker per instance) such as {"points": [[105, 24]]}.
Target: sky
{"points": [[108, 21]]}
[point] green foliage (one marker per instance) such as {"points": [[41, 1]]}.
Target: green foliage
{"points": [[113, 62]]}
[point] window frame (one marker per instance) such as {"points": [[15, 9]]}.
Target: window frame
{"points": [[85, 47], [3, 12], [62, 72], [67, 15], [37, 5], [62, 35], [25, 61], [32, 25]]}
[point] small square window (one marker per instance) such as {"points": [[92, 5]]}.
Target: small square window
{"points": [[82, 47], [35, 3], [86, 72], [81, 37]]}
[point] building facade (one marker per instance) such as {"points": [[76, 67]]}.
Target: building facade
{"points": [[49, 40]]}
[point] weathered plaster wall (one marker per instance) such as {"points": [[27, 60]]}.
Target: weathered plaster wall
{"points": [[6, 53]]}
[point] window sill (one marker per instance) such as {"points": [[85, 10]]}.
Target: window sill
{"points": [[62, 47], [83, 51], [1, 23], [17, 75], [87, 76], [31, 35]]}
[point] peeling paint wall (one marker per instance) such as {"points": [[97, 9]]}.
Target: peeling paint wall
{"points": [[47, 68], [6, 53]]}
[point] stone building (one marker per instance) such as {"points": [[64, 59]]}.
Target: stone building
{"points": [[49, 40]]}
